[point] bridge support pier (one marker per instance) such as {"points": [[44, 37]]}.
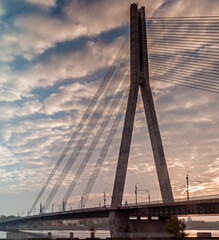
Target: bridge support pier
{"points": [[123, 227]]}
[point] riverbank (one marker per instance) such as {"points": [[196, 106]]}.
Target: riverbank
{"points": [[190, 238], [99, 234]]}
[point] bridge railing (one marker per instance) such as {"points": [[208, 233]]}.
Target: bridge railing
{"points": [[130, 205], [175, 200]]}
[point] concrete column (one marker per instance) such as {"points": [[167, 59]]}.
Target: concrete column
{"points": [[49, 235], [119, 182], [140, 76], [71, 235], [121, 225], [154, 132]]}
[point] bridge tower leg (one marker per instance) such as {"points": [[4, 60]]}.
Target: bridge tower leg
{"points": [[139, 79]]}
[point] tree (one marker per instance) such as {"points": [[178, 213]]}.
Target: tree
{"points": [[176, 227]]}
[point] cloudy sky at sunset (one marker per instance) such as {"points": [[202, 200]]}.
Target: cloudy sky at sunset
{"points": [[54, 54]]}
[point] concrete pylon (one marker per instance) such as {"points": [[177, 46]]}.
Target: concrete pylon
{"points": [[120, 225], [140, 79]]}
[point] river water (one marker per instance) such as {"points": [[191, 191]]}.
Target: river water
{"points": [[82, 234]]}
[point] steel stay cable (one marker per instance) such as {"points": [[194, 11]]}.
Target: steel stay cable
{"points": [[174, 50], [194, 18], [184, 42], [109, 90], [176, 37], [83, 139], [159, 32], [198, 75], [179, 79], [191, 69], [187, 54], [179, 41], [210, 68], [196, 60], [93, 102], [181, 18], [185, 85], [197, 24], [184, 22], [190, 76], [190, 33], [182, 80], [186, 35], [169, 31], [176, 58], [178, 26], [194, 77], [184, 51], [168, 28], [202, 49], [87, 132], [181, 29], [195, 52], [181, 32], [183, 25], [96, 139], [182, 47], [103, 152], [173, 57], [190, 83]]}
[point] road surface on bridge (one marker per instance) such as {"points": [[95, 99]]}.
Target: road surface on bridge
{"points": [[194, 207]]}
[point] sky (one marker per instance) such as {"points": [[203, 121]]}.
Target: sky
{"points": [[53, 57]]}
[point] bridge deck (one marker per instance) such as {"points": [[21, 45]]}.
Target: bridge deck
{"points": [[195, 207]]}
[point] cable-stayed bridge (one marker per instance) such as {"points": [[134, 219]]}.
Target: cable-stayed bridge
{"points": [[174, 50]]}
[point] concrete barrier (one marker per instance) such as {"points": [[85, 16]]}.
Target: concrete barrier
{"points": [[203, 234], [17, 235]]}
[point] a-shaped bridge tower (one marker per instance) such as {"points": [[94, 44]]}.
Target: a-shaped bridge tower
{"points": [[139, 79]]}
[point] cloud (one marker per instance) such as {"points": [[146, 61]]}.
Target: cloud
{"points": [[186, 8], [1, 11], [57, 67], [12, 110], [78, 19], [29, 108], [68, 98], [7, 157], [216, 180], [8, 111], [48, 78], [47, 3]]}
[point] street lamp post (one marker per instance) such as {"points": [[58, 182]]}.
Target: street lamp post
{"points": [[82, 202], [149, 198], [136, 194], [187, 185], [104, 199]]}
